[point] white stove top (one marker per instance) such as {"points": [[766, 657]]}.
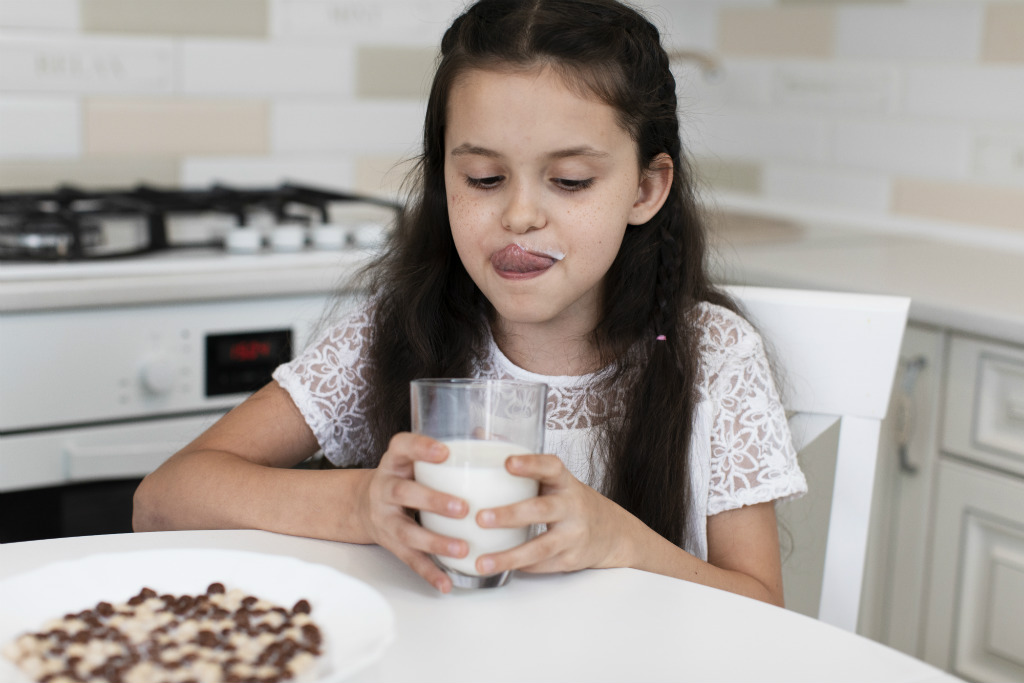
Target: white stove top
{"points": [[183, 262], [175, 275], [225, 243]]}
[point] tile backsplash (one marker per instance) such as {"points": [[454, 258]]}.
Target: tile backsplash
{"points": [[911, 109]]}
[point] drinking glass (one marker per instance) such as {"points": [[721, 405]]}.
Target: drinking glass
{"points": [[482, 421]]}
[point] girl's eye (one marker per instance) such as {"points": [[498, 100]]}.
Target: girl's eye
{"points": [[573, 185], [484, 183]]}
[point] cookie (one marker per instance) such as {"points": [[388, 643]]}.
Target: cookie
{"points": [[219, 636]]}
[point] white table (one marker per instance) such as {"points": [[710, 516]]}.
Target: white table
{"points": [[599, 625]]}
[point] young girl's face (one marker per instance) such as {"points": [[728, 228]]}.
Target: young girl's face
{"points": [[541, 186]]}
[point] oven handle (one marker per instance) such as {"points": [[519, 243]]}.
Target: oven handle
{"points": [[115, 461]]}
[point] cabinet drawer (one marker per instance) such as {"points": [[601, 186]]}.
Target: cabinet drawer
{"points": [[984, 415]]}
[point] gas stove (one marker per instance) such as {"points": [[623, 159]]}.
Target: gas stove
{"points": [[73, 248], [72, 224]]}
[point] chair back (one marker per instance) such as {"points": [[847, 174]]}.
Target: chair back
{"points": [[835, 355]]}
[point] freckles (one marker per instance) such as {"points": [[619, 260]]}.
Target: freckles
{"points": [[461, 204]]}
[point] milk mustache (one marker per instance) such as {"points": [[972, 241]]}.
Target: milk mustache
{"points": [[475, 471]]}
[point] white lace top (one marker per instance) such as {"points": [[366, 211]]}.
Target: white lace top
{"points": [[740, 454]]}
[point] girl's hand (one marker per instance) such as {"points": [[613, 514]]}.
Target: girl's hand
{"points": [[390, 497], [585, 529]]}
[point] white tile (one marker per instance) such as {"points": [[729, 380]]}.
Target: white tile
{"points": [[824, 186], [262, 68], [684, 24], [981, 94], [363, 21], [999, 156], [755, 137], [39, 127], [945, 31], [335, 172], [49, 15], [738, 83], [836, 87], [86, 64], [911, 148], [362, 127]]}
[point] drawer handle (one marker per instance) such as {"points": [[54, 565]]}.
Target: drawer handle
{"points": [[912, 368], [114, 461]]}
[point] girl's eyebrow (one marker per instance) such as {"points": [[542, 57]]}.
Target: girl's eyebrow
{"points": [[466, 149]]}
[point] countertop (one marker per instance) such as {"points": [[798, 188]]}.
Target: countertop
{"points": [[969, 281], [172, 277], [974, 288]]}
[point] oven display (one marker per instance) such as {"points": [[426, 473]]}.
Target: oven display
{"points": [[243, 362]]}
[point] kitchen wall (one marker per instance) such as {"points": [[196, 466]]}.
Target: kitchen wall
{"points": [[111, 92], [902, 110], [899, 110]]}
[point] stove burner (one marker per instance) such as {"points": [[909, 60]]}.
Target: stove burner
{"points": [[75, 224], [45, 236]]}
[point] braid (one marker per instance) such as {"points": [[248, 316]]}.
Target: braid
{"points": [[666, 282]]}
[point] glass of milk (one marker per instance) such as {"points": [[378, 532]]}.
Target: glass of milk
{"points": [[482, 421]]}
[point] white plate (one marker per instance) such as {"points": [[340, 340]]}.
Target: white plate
{"points": [[356, 622]]}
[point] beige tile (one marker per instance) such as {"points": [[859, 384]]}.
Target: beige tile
{"points": [[1003, 40], [88, 173], [154, 127], [176, 17], [386, 72], [970, 204], [383, 175], [720, 174], [784, 31]]}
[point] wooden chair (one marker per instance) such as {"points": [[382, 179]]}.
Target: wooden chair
{"points": [[836, 356]]}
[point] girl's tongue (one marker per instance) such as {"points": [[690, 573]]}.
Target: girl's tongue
{"points": [[515, 259]]}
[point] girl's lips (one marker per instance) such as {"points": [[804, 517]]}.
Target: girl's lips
{"points": [[516, 262]]}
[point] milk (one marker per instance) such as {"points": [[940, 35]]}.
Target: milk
{"points": [[475, 471]]}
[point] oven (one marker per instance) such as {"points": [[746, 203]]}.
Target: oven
{"points": [[125, 336]]}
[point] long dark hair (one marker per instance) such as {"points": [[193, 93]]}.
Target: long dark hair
{"points": [[430, 319]]}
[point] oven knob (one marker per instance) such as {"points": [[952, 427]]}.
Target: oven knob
{"points": [[369, 235], [329, 237], [243, 240], [287, 238], [157, 376]]}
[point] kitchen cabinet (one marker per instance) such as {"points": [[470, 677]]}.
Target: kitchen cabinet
{"points": [[945, 575], [898, 546], [975, 622]]}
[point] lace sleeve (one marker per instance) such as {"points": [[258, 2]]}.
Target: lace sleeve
{"points": [[752, 455], [327, 382]]}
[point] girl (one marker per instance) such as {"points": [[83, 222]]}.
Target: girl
{"points": [[554, 237]]}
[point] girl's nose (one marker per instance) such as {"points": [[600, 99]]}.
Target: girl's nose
{"points": [[523, 212]]}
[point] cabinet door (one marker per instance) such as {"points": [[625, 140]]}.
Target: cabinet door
{"points": [[975, 611], [897, 546]]}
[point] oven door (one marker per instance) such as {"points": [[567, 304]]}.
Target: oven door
{"points": [[80, 481]]}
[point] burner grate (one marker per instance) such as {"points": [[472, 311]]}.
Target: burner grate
{"points": [[70, 223]]}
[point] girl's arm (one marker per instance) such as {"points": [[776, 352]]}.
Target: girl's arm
{"points": [[237, 475], [743, 554], [585, 529]]}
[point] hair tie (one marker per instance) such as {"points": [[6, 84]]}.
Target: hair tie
{"points": [[660, 337]]}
